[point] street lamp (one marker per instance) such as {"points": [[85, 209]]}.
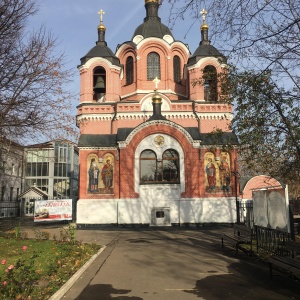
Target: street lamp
{"points": [[236, 175]]}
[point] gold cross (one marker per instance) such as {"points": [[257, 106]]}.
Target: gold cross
{"points": [[101, 13], [156, 81]]}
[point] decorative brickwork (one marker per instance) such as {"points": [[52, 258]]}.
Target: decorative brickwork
{"points": [[117, 125]]}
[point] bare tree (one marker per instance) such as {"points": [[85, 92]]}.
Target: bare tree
{"points": [[258, 34], [34, 102]]}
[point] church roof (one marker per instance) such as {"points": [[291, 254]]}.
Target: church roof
{"points": [[101, 49], [111, 140], [97, 140], [205, 49], [152, 26]]}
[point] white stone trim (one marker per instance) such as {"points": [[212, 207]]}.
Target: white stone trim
{"points": [[98, 148], [146, 92], [93, 60], [204, 60], [156, 122], [165, 42], [168, 39], [149, 113]]}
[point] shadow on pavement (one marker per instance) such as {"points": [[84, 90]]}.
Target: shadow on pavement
{"points": [[257, 285], [105, 292]]}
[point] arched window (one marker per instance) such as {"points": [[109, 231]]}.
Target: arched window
{"points": [[153, 66], [210, 84], [177, 69], [129, 70], [159, 171], [171, 166], [99, 83]]}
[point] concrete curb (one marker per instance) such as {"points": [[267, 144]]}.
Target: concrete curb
{"points": [[63, 290]]}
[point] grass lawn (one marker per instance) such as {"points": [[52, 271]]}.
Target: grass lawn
{"points": [[36, 268]]}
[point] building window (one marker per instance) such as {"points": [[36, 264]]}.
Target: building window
{"points": [[18, 194], [177, 69], [2, 193], [153, 66], [129, 70], [170, 166], [99, 83], [11, 194], [153, 170], [210, 84]]}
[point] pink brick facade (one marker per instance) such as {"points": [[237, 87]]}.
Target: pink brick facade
{"points": [[117, 130]]}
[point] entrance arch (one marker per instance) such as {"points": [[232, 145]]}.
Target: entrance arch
{"points": [[159, 199]]}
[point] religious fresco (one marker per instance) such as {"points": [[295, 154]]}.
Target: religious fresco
{"points": [[225, 173], [100, 174], [217, 172]]}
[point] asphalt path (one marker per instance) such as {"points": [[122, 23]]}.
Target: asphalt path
{"points": [[175, 264]]}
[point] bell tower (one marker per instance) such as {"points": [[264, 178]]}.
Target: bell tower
{"points": [[100, 71]]}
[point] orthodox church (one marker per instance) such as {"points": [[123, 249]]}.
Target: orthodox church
{"points": [[153, 144]]}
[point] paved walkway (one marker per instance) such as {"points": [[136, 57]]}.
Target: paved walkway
{"points": [[172, 264], [175, 264]]}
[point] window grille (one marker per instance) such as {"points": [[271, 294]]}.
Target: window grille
{"points": [[129, 70], [153, 66], [177, 69]]}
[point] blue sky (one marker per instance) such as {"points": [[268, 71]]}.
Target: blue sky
{"points": [[74, 23]]}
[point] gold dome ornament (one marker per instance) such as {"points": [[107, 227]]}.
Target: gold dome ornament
{"points": [[204, 26], [152, 1]]}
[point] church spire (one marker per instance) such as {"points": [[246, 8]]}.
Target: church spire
{"points": [[152, 10], [101, 29], [204, 28], [156, 103]]}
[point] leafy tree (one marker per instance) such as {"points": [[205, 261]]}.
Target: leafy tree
{"points": [[267, 124], [34, 102], [262, 38]]}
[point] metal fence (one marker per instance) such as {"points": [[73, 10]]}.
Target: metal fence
{"points": [[272, 240], [11, 210]]}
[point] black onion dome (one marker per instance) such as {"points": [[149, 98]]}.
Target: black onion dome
{"points": [[101, 49], [205, 49], [152, 26]]}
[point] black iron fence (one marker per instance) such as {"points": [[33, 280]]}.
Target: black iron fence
{"points": [[271, 240], [295, 205], [11, 210]]}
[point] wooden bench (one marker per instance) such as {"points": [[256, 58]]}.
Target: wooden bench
{"points": [[241, 235], [290, 263]]}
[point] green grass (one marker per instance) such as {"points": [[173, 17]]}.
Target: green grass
{"points": [[53, 263]]}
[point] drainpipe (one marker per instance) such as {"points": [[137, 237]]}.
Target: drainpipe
{"points": [[114, 117], [179, 214], [194, 112]]}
